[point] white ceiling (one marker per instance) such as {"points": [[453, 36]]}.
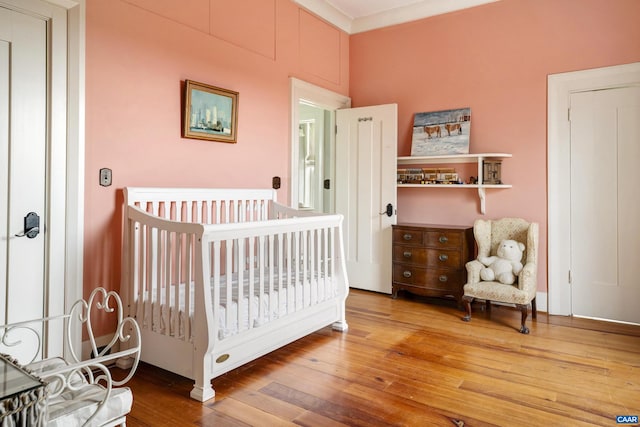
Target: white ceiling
{"points": [[356, 16]]}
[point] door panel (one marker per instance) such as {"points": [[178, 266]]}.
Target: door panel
{"points": [[23, 56], [605, 204], [366, 152]]}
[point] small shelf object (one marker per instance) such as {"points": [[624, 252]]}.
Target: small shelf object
{"points": [[479, 159]]}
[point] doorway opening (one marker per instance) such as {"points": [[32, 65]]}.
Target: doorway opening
{"points": [[313, 142]]}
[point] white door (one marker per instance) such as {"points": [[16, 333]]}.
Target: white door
{"points": [[23, 151], [366, 165], [605, 204]]}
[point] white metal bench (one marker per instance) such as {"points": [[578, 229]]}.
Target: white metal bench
{"points": [[82, 392]]}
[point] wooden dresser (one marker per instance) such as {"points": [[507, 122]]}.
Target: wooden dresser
{"points": [[430, 260]]}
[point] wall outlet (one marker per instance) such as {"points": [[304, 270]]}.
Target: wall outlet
{"points": [[105, 177]]}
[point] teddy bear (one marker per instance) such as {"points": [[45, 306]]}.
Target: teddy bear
{"points": [[506, 265]]}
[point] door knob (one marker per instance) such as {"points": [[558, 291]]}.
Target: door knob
{"points": [[31, 226], [388, 211]]}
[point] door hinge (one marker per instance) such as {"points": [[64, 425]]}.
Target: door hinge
{"points": [[569, 114], [569, 277]]}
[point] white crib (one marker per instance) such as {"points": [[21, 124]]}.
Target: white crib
{"points": [[218, 277]]}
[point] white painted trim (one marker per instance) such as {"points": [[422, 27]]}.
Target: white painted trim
{"points": [[541, 302], [74, 272], [318, 97], [411, 12], [57, 169], [399, 15], [327, 12], [560, 87]]}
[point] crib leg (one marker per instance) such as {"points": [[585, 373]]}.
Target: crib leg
{"points": [[202, 394], [340, 325]]}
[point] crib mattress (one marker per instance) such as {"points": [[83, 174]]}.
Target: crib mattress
{"points": [[276, 301]]}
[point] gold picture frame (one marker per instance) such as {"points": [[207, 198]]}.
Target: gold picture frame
{"points": [[210, 112]]}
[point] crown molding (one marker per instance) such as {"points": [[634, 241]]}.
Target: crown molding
{"points": [[399, 15], [327, 12]]}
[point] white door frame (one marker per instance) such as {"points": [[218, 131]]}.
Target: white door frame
{"points": [[318, 97], [66, 28], [560, 87]]}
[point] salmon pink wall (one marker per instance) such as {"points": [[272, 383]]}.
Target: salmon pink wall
{"points": [[494, 59], [138, 54]]}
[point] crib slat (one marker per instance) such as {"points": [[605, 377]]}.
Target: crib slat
{"points": [[187, 266], [174, 278], [166, 280], [325, 270], [271, 271], [215, 271], [279, 262], [241, 272], [261, 274], [251, 314], [290, 273], [138, 270], [228, 280], [157, 275]]}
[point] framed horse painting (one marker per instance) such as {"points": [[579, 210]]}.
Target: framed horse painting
{"points": [[441, 133]]}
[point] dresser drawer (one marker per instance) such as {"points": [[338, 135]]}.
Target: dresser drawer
{"points": [[441, 258], [404, 236], [409, 255], [426, 278], [443, 239], [437, 258]]}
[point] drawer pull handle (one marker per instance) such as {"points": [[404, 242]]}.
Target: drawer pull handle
{"points": [[443, 278], [443, 239], [407, 274], [407, 236], [407, 254], [443, 257]]}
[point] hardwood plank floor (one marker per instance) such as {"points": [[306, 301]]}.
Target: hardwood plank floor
{"points": [[413, 362]]}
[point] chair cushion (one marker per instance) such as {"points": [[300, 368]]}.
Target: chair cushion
{"points": [[496, 291], [74, 407]]}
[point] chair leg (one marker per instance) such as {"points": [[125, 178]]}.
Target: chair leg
{"points": [[467, 304], [534, 310], [524, 309], [487, 305]]}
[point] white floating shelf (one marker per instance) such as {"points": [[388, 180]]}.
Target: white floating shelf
{"points": [[456, 158], [453, 158]]}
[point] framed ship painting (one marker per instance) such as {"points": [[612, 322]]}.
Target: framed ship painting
{"points": [[441, 133], [210, 112]]}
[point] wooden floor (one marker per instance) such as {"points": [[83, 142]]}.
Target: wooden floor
{"points": [[406, 362]]}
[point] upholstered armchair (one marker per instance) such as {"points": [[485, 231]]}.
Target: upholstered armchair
{"points": [[488, 235]]}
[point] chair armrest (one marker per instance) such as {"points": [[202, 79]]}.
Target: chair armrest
{"points": [[527, 279], [473, 271]]}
